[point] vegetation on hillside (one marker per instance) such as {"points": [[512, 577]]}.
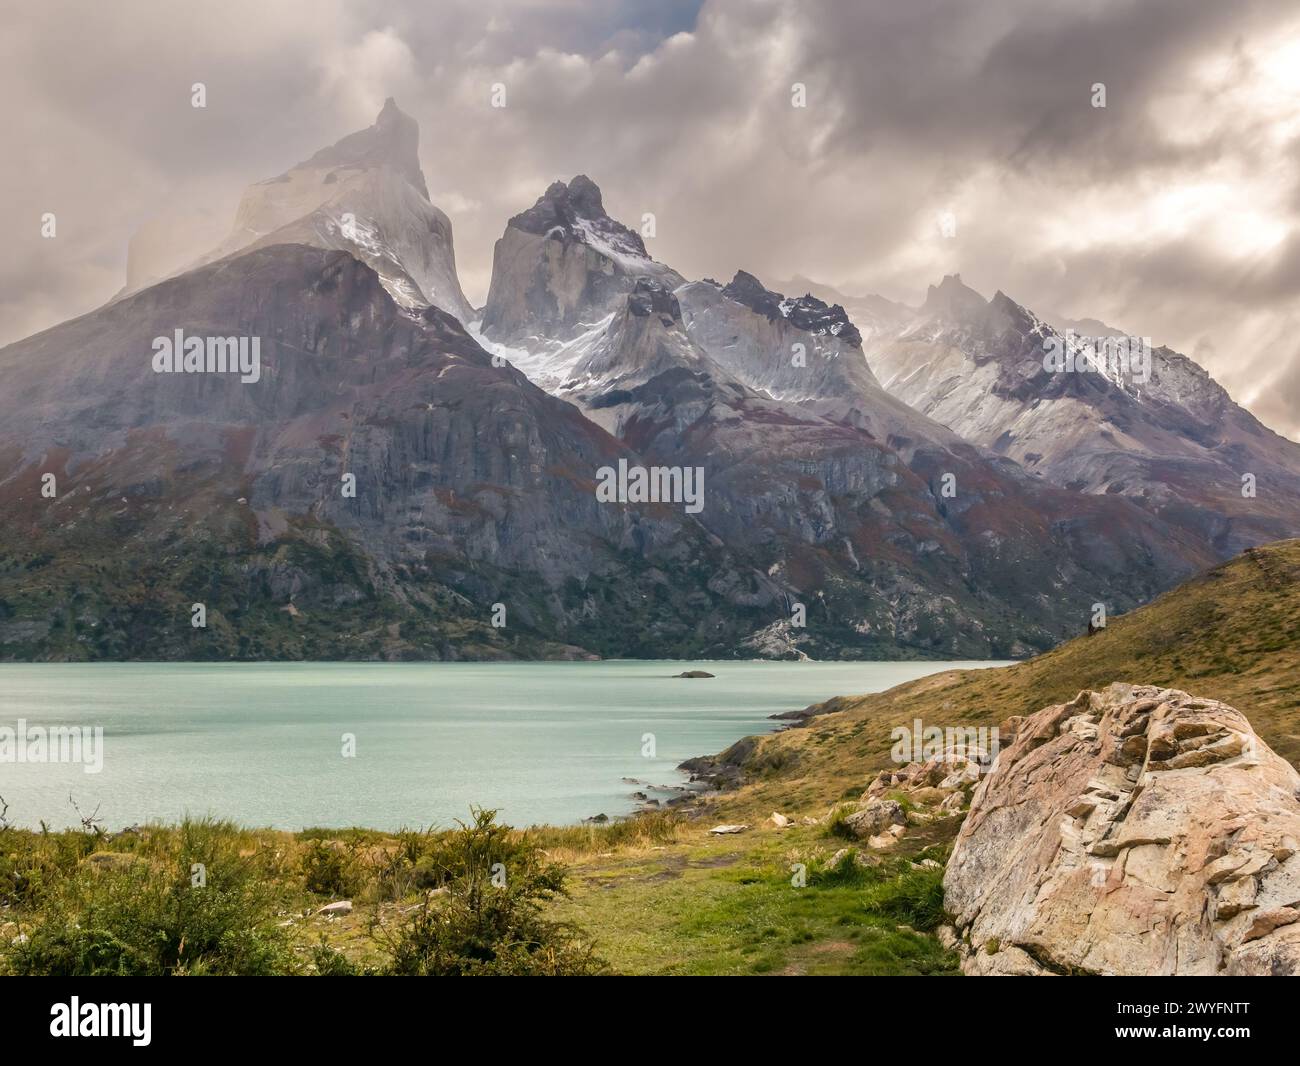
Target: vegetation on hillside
{"points": [[656, 894], [650, 895], [1231, 634], [206, 897]]}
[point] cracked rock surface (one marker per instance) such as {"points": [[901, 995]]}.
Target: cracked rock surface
{"points": [[1136, 830]]}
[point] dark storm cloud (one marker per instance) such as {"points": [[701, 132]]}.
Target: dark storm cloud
{"points": [[1172, 212]]}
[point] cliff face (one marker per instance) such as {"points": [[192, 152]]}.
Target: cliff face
{"points": [[792, 349], [472, 486], [562, 266], [1131, 831]]}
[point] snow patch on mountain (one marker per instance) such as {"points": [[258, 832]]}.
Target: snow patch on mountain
{"points": [[547, 363]]}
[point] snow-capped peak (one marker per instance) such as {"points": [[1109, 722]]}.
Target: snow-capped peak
{"points": [[576, 212], [806, 312]]}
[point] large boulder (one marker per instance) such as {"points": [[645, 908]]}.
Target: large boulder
{"points": [[1135, 830]]}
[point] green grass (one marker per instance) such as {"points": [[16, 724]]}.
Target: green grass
{"points": [[733, 908], [650, 896]]}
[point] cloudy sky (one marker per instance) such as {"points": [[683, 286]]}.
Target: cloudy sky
{"points": [[1173, 212]]}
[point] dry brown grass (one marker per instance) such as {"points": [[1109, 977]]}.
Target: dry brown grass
{"points": [[1232, 634]]}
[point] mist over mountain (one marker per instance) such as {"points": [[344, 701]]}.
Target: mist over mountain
{"points": [[1160, 430], [403, 468], [365, 195]]}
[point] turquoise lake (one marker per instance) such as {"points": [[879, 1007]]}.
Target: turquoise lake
{"points": [[263, 744]]}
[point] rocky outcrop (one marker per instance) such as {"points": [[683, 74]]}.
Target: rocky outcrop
{"points": [[799, 350], [944, 780], [1135, 830], [562, 266], [804, 312]]}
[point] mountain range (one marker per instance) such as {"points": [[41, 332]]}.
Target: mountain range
{"points": [[411, 477]]}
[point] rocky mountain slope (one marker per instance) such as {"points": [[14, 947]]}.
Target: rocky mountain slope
{"points": [[881, 522], [401, 469], [472, 487], [1168, 437]]}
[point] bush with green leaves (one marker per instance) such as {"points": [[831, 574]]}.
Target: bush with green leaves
{"points": [[200, 908], [487, 915], [33, 865], [330, 868]]}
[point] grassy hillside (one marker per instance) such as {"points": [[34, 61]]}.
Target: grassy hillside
{"points": [[1232, 634]]}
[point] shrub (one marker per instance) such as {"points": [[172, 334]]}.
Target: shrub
{"points": [[488, 916], [143, 916], [33, 865], [329, 962], [330, 869]]}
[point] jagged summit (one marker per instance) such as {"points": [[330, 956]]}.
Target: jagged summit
{"points": [[559, 271], [804, 312], [953, 299], [581, 196], [1008, 314], [560, 204], [576, 211], [746, 289], [394, 139]]}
